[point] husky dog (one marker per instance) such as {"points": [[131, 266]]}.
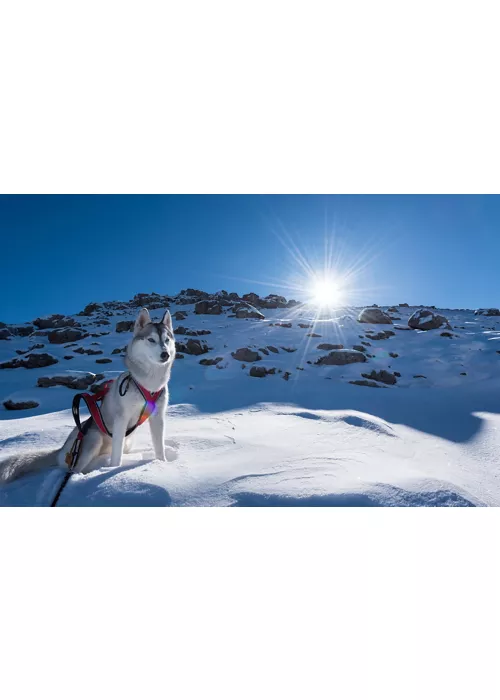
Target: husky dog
{"points": [[149, 359]]}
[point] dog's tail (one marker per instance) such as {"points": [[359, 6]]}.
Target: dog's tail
{"points": [[13, 467]]}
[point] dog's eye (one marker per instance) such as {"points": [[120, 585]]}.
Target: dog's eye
{"points": [[152, 340]]}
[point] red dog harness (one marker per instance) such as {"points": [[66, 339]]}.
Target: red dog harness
{"points": [[92, 401]]}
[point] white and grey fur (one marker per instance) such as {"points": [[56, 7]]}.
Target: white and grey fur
{"points": [[149, 358]]}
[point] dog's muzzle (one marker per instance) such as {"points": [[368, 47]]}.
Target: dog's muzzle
{"points": [[164, 356]]}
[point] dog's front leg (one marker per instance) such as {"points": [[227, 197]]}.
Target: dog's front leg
{"points": [[119, 430], [157, 427]]}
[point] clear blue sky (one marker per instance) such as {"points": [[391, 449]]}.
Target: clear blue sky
{"points": [[60, 252]]}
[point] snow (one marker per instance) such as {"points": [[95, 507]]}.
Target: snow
{"points": [[236, 440]]}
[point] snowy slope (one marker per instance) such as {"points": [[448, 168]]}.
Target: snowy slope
{"points": [[315, 439]]}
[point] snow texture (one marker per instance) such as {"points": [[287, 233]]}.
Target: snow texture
{"points": [[432, 439]]}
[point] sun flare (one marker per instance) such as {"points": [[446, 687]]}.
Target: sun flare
{"points": [[326, 292]]}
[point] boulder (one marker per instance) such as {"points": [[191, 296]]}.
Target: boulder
{"points": [[5, 334], [211, 361], [104, 361], [341, 357], [31, 361], [261, 371], [66, 335], [192, 347], [426, 320], [208, 307], [90, 308], [247, 311], [88, 351], [381, 376], [330, 346], [124, 326], [246, 355], [366, 382], [374, 315], [20, 405], [22, 330], [487, 312], [181, 330], [77, 381], [381, 335], [252, 298], [56, 321], [180, 315]]}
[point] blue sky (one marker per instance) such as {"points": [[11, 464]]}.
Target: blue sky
{"points": [[61, 252]]}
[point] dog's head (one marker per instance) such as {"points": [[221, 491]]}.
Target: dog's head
{"points": [[154, 342]]}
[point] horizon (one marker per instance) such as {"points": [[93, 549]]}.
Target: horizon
{"points": [[63, 251]]}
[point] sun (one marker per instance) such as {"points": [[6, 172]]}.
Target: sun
{"points": [[326, 292]]}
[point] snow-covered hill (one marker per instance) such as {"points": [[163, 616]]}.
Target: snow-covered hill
{"points": [[266, 412]]}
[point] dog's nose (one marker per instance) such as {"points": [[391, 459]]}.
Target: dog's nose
{"points": [[164, 356]]}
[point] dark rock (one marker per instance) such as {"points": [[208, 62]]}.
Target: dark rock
{"points": [[192, 347], [426, 320], [180, 315], [419, 376], [264, 350], [287, 375], [330, 346], [78, 381], [341, 357], [288, 349], [88, 351], [359, 348], [366, 382], [393, 354], [69, 357], [313, 335], [208, 307], [381, 335], [117, 351], [247, 311], [103, 361], [284, 324], [124, 326], [56, 321], [261, 371], [180, 330], [381, 376], [19, 405], [446, 334], [252, 298], [487, 312], [404, 305], [31, 361], [305, 325], [272, 348], [246, 355], [392, 310], [90, 309], [374, 315], [211, 360], [22, 330], [66, 335], [5, 334]]}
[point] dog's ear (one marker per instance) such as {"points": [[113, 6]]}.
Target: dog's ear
{"points": [[142, 320], [167, 320]]}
